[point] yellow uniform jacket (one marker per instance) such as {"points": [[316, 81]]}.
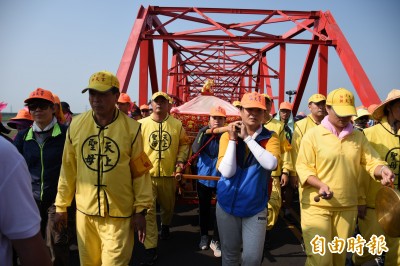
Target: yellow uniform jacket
{"points": [[105, 168], [285, 163], [165, 143], [337, 163], [387, 144], [300, 128]]}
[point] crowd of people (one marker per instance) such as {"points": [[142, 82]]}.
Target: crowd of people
{"points": [[98, 177]]}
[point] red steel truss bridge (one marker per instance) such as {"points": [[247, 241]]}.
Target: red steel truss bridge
{"points": [[240, 50]]}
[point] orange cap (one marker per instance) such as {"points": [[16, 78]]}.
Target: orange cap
{"points": [[124, 98], [372, 108], [56, 99], [218, 111], [22, 114], [40, 93], [285, 105], [253, 100], [144, 107]]}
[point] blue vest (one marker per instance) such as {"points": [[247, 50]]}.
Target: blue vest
{"points": [[246, 193]]}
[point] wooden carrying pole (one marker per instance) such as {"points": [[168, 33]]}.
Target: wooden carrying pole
{"points": [[205, 177]]}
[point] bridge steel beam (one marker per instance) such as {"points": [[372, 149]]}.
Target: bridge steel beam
{"points": [[227, 50]]}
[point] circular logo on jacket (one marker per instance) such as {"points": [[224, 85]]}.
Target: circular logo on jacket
{"points": [[100, 155], [160, 142], [392, 158]]}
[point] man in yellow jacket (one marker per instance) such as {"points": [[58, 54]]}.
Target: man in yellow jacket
{"points": [[316, 105], [384, 138], [167, 145], [105, 168], [329, 161], [284, 164]]}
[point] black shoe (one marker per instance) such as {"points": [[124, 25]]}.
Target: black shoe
{"points": [[164, 235], [267, 241], [288, 216], [150, 257]]}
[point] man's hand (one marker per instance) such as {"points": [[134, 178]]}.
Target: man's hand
{"points": [[323, 189], [325, 192], [178, 170], [362, 211], [138, 223], [61, 220], [386, 175], [284, 179]]}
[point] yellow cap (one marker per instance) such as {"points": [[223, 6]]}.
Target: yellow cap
{"points": [[253, 100], [266, 96], [236, 103], [218, 111], [342, 102], [162, 94], [362, 112], [316, 98], [102, 81]]}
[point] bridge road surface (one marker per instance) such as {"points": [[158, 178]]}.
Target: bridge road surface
{"points": [[182, 248]]}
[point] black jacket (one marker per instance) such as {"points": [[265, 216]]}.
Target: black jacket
{"points": [[43, 160]]}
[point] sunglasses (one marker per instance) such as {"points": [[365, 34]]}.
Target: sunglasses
{"points": [[40, 105]]}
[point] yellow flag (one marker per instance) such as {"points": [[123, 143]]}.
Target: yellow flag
{"points": [[140, 165]]}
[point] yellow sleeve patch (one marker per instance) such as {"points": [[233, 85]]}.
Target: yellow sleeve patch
{"points": [[140, 165]]}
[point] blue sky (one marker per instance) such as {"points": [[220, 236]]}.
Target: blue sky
{"points": [[57, 45]]}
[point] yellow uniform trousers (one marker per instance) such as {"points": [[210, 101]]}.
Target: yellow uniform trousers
{"points": [[392, 257], [368, 226], [327, 224], [164, 189], [274, 203], [104, 241]]}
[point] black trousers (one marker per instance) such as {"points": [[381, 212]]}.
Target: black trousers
{"points": [[206, 211]]}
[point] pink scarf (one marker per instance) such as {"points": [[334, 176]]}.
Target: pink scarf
{"points": [[345, 132]]}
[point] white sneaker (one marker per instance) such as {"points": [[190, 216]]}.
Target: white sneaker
{"points": [[216, 247]]}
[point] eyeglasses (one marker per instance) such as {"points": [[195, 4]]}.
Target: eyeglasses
{"points": [[145, 111], [40, 105]]}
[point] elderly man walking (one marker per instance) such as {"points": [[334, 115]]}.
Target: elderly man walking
{"points": [[105, 168]]}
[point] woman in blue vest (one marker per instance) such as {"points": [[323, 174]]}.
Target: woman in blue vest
{"points": [[248, 153], [206, 166]]}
